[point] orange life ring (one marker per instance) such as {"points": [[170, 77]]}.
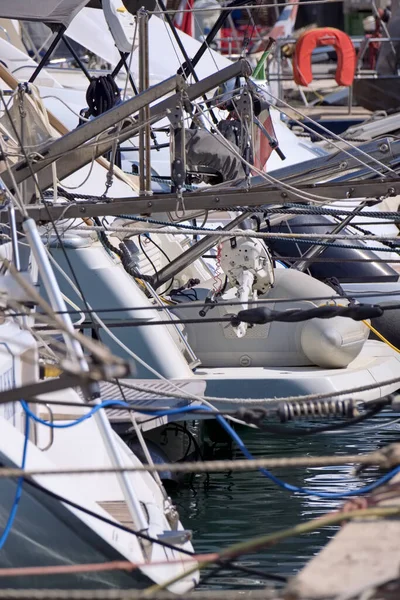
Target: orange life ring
{"points": [[324, 36]]}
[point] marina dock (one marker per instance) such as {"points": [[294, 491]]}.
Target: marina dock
{"points": [[362, 557]]}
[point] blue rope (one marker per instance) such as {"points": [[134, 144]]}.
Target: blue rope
{"points": [[18, 493], [180, 410], [94, 410], [234, 436], [300, 490]]}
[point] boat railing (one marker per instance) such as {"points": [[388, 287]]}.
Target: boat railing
{"points": [[50, 429], [279, 70], [4, 30]]}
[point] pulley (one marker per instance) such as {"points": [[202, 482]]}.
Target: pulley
{"points": [[133, 6]]}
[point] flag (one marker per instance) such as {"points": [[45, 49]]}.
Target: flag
{"points": [[283, 28], [265, 141], [261, 144], [184, 20]]}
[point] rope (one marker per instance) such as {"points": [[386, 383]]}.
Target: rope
{"points": [[367, 232], [228, 554], [313, 137], [265, 541], [317, 210], [256, 401], [288, 208], [393, 216], [332, 136], [199, 303], [381, 337], [300, 238], [167, 181], [163, 223], [102, 95], [116, 565], [46, 594], [18, 493], [106, 242], [270, 539], [262, 315], [386, 458]]}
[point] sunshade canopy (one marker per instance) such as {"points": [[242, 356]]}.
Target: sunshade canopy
{"points": [[51, 12]]}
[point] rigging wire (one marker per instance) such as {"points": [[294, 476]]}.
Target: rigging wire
{"points": [[306, 237], [135, 129], [148, 237], [261, 316], [321, 259], [34, 178], [17, 198], [259, 301], [279, 183], [269, 178], [297, 238], [255, 414], [86, 177], [262, 173], [111, 522], [128, 78], [278, 101]]}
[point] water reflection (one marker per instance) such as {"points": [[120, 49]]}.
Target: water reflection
{"points": [[238, 506]]}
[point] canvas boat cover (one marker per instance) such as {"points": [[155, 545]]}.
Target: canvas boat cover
{"points": [[55, 12]]}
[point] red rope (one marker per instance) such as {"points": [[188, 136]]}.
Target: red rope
{"points": [[121, 565], [218, 283]]}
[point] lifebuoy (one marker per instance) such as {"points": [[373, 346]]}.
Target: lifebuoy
{"points": [[324, 36]]}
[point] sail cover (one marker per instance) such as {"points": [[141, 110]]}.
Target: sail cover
{"points": [[51, 12]]}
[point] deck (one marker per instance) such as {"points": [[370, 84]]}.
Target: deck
{"points": [[119, 511]]}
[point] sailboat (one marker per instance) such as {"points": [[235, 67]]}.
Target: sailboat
{"points": [[69, 524], [316, 357], [75, 531], [139, 283]]}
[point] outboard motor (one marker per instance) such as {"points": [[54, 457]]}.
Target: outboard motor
{"points": [[332, 343]]}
